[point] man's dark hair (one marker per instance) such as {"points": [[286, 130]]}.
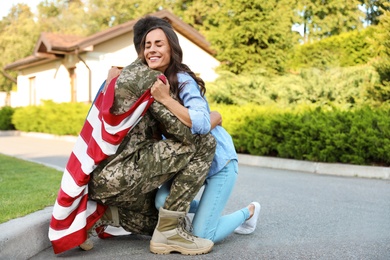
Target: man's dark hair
{"points": [[143, 25]]}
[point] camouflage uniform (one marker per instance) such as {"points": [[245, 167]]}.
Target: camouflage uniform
{"points": [[130, 178]]}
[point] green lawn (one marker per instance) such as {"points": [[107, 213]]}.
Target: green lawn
{"points": [[25, 187]]}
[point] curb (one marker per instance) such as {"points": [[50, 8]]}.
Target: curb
{"points": [[24, 237], [336, 169]]}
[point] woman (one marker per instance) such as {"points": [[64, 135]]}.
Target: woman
{"points": [[161, 51]]}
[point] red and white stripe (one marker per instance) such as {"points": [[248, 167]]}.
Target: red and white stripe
{"points": [[100, 137]]}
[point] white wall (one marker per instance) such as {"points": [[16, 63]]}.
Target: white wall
{"points": [[51, 83], [3, 95], [198, 60]]}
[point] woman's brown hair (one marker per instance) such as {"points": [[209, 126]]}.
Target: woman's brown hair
{"points": [[175, 66]]}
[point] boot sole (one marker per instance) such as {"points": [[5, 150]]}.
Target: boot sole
{"points": [[164, 249]]}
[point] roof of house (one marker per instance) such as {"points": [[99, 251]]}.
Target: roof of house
{"points": [[51, 46]]}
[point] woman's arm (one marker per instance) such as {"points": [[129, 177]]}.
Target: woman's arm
{"points": [[194, 113]]}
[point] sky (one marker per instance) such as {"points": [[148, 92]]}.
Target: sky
{"points": [[5, 5]]}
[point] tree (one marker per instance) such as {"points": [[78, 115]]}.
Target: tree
{"points": [[18, 33], [324, 18], [65, 17], [247, 35], [374, 9], [198, 13], [108, 13], [382, 90]]}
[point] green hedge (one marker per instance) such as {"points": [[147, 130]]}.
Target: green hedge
{"points": [[6, 114], [50, 117], [346, 87], [360, 136]]}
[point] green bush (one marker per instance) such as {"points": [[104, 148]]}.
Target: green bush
{"points": [[343, 87], [344, 50], [355, 136], [50, 117], [6, 114]]}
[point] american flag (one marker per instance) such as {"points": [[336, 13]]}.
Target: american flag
{"points": [[100, 137]]}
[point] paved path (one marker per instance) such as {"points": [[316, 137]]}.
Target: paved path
{"points": [[304, 215], [40, 148]]}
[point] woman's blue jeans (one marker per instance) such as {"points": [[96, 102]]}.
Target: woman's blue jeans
{"points": [[208, 221]]}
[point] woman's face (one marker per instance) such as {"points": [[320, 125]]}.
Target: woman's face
{"points": [[157, 50]]}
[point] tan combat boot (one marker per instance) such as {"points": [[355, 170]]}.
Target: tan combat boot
{"points": [[110, 217], [170, 235]]}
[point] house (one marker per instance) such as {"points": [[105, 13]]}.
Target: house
{"points": [[66, 68]]}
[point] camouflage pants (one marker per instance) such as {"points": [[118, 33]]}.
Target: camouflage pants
{"points": [[130, 180]]}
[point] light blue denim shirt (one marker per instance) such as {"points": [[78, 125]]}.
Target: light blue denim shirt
{"points": [[199, 111]]}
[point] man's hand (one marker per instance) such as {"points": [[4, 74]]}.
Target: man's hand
{"points": [[112, 73], [215, 119]]}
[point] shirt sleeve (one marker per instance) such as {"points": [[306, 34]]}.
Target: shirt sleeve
{"points": [[196, 104]]}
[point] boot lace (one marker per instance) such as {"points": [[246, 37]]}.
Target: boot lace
{"points": [[185, 228]]}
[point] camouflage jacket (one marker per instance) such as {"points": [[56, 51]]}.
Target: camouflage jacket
{"points": [[133, 81]]}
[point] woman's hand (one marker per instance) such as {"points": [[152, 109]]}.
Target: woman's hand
{"points": [[112, 73], [160, 91]]}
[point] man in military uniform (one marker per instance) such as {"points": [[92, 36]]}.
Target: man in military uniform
{"points": [[128, 180]]}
